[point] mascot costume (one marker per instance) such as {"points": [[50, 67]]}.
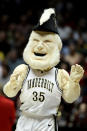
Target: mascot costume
{"points": [[40, 83]]}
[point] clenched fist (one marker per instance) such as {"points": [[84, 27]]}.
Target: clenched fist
{"points": [[76, 73]]}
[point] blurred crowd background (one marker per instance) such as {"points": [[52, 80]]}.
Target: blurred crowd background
{"points": [[17, 18]]}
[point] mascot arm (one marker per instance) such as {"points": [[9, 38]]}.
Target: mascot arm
{"points": [[70, 84], [16, 80]]}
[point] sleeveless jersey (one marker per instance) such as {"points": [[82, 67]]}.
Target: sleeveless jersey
{"points": [[40, 95]]}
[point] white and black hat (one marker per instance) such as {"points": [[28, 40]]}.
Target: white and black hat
{"points": [[47, 22]]}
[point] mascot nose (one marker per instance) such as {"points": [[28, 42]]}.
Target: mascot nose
{"points": [[40, 46]]}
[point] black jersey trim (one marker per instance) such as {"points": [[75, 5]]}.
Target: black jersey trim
{"points": [[56, 122], [28, 70], [56, 73]]}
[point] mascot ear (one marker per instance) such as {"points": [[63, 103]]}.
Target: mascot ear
{"points": [[47, 22]]}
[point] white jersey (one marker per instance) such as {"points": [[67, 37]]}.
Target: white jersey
{"points": [[40, 95]]}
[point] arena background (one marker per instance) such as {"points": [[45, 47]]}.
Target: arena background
{"points": [[17, 17]]}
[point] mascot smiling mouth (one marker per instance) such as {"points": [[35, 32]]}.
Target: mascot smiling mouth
{"points": [[39, 54]]}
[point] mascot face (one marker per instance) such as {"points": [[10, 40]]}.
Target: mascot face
{"points": [[43, 50]]}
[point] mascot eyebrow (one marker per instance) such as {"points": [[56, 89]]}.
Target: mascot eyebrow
{"points": [[35, 40], [41, 85]]}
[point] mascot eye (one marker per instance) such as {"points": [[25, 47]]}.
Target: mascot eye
{"points": [[47, 41], [36, 40]]}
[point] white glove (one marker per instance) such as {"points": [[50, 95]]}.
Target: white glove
{"points": [[76, 73]]}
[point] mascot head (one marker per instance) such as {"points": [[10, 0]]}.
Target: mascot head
{"points": [[43, 49]]}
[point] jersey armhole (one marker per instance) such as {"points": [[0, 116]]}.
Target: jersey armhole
{"points": [[28, 70], [56, 73]]}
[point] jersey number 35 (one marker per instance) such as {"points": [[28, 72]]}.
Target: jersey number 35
{"points": [[38, 96]]}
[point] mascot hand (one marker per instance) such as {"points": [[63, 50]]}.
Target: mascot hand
{"points": [[18, 76], [63, 78], [76, 73], [16, 80]]}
